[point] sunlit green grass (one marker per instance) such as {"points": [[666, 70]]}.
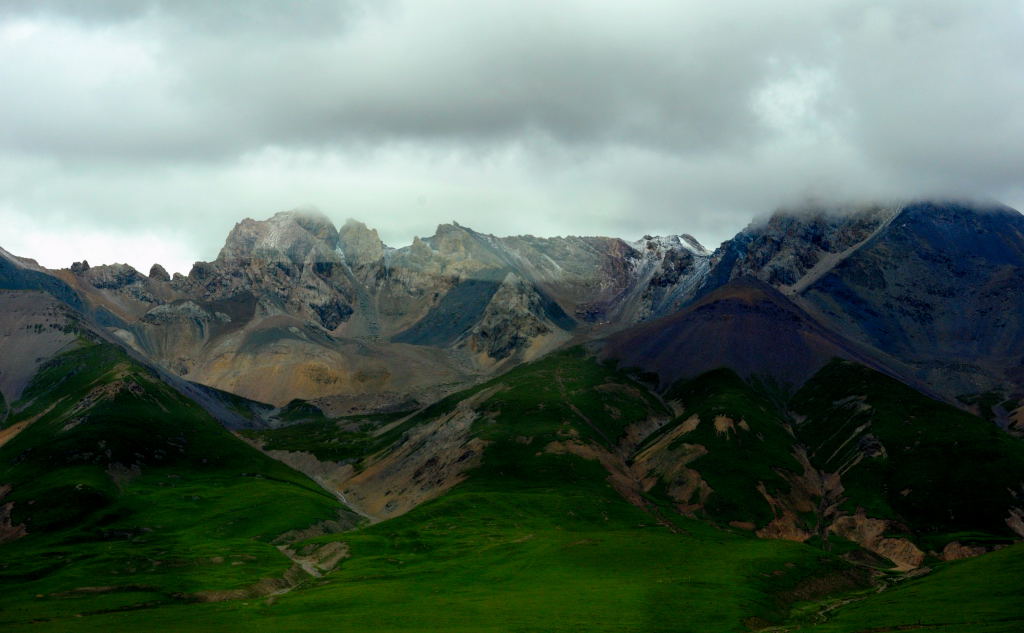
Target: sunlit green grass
{"points": [[544, 560]]}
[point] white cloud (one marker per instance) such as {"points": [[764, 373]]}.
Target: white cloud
{"points": [[26, 236]]}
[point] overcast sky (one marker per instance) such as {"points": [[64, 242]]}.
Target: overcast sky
{"points": [[142, 131]]}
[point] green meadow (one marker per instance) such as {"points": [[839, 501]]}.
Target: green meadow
{"points": [[140, 508]]}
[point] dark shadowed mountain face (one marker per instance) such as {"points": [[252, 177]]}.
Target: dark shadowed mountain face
{"points": [[934, 288], [791, 248], [942, 288], [909, 459], [19, 274], [745, 325]]}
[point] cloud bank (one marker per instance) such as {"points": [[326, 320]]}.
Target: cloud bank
{"points": [[141, 131]]}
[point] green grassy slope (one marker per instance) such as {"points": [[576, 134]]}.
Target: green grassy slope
{"points": [[349, 438], [548, 555], [977, 595], [930, 466], [533, 540], [537, 537], [556, 399], [740, 456], [563, 396], [123, 484]]}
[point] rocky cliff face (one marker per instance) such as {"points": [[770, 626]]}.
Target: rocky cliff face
{"points": [[942, 287], [287, 263], [294, 307], [793, 247], [934, 286]]}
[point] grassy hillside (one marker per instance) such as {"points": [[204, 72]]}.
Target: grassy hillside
{"points": [[908, 458], [336, 440], [565, 557], [978, 595], [536, 539], [132, 495], [746, 442], [572, 517]]}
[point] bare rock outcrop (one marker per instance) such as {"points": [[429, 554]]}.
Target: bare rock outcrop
{"points": [[957, 551], [323, 300], [1015, 521], [869, 534], [159, 273]]}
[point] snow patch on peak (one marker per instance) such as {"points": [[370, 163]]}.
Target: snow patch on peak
{"points": [[660, 244]]}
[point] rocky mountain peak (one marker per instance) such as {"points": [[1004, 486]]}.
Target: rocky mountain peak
{"points": [[159, 273], [289, 236], [978, 231], [463, 249], [420, 249], [840, 220], [315, 222], [694, 245], [361, 244], [450, 237], [112, 276], [786, 247], [660, 244], [469, 301]]}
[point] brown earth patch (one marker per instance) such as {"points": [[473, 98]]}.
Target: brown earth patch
{"points": [[868, 533], [8, 531], [668, 460], [723, 424], [429, 460], [958, 551], [8, 434], [1016, 521], [317, 560]]}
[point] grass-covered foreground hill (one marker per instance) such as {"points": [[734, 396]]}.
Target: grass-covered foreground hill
{"points": [[120, 493], [562, 496]]}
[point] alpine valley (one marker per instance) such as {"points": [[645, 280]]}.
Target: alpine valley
{"points": [[816, 427]]}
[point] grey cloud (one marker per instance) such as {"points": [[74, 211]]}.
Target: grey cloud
{"points": [[98, 11], [488, 72], [935, 96], [569, 117], [264, 16], [216, 79]]}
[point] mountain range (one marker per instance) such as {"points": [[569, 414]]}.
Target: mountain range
{"points": [[818, 420]]}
